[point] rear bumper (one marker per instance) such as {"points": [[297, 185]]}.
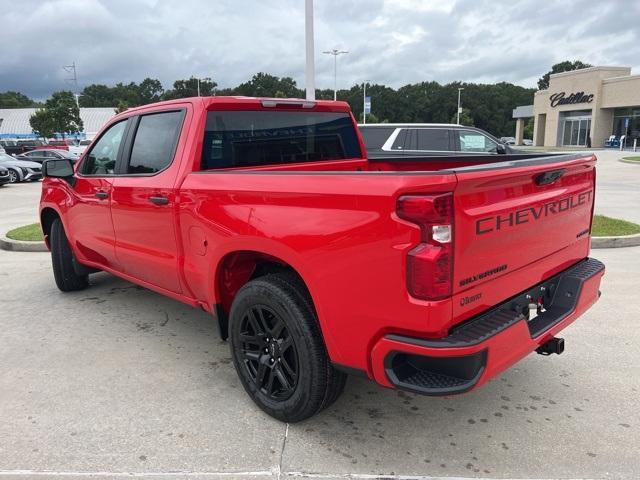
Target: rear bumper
{"points": [[488, 344]]}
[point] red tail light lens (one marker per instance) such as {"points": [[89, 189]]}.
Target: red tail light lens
{"points": [[430, 263]]}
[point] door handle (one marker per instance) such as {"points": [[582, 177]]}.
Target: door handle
{"points": [[159, 200], [102, 195]]}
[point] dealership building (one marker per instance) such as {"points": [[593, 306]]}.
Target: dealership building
{"points": [[584, 108]]}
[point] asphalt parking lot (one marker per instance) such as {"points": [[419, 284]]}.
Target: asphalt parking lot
{"points": [[117, 381]]}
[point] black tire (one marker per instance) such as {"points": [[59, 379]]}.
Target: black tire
{"points": [[65, 275], [289, 341], [14, 177]]}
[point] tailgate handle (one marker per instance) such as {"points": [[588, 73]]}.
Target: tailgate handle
{"points": [[549, 177]]}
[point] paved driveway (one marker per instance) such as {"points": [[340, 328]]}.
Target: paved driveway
{"points": [[117, 381]]}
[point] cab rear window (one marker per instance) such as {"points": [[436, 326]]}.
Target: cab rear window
{"points": [[253, 138]]}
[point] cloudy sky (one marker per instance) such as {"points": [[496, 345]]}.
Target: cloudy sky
{"points": [[389, 41]]}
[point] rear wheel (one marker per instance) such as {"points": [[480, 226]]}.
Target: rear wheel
{"points": [[62, 260], [278, 350]]}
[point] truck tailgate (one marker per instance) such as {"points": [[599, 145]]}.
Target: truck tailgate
{"points": [[513, 214]]}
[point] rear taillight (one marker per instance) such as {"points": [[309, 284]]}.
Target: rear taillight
{"points": [[430, 263]]}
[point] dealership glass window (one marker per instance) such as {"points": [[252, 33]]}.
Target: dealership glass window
{"points": [[626, 121], [575, 128]]}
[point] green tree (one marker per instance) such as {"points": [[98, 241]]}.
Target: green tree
{"points": [[528, 129], [97, 95], [189, 88], [10, 99], [59, 115], [265, 85], [565, 66], [150, 90], [42, 123], [465, 118], [122, 107]]}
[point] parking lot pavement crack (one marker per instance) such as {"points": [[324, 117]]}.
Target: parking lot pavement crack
{"points": [[278, 468]]}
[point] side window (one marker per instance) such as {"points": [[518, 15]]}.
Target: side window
{"points": [[433, 139], [471, 141], [101, 160], [155, 142], [398, 143], [411, 142], [375, 137]]}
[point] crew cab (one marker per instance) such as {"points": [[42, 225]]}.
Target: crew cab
{"points": [[430, 275]]}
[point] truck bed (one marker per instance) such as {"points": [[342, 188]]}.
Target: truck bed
{"points": [[418, 163]]}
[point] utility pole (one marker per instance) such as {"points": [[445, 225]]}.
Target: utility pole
{"points": [[198, 86], [459, 108], [335, 52], [364, 102], [71, 69], [310, 69]]}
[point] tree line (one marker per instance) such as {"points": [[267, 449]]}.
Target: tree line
{"points": [[486, 106]]}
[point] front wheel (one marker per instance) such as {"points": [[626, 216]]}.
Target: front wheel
{"points": [[13, 176], [278, 351], [64, 273]]}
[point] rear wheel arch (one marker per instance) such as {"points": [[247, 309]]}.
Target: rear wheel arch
{"points": [[237, 268]]}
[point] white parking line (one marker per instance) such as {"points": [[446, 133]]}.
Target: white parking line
{"points": [[51, 473], [275, 472]]}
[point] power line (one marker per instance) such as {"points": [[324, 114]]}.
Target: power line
{"points": [[71, 69]]}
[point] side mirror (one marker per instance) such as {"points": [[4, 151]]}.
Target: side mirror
{"points": [[58, 168], [501, 148]]}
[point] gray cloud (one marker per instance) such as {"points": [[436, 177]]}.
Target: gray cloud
{"points": [[390, 41]]}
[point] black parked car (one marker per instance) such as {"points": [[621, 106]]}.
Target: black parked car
{"points": [[429, 139], [43, 154]]}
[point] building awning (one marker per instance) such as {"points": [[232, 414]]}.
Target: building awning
{"points": [[524, 111]]}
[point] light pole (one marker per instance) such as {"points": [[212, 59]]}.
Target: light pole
{"points": [[364, 102], [335, 52], [310, 73], [458, 117]]}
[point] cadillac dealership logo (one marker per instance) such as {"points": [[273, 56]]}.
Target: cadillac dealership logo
{"points": [[578, 97]]}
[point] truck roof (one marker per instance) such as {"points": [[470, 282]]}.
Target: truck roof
{"points": [[409, 125], [251, 103]]}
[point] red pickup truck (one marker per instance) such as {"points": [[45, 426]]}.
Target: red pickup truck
{"points": [[431, 275]]}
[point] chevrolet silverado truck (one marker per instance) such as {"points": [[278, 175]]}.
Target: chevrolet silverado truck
{"points": [[430, 275]]}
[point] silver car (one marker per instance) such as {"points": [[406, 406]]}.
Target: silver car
{"points": [[20, 170]]}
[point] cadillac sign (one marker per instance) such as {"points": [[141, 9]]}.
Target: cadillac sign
{"points": [[560, 98]]}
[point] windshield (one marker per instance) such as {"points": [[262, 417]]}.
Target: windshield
{"points": [[5, 158]]}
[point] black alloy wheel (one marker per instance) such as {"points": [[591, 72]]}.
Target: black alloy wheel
{"points": [[269, 353], [278, 349]]}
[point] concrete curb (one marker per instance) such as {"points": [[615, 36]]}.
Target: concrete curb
{"points": [[616, 242], [20, 246], [629, 161]]}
